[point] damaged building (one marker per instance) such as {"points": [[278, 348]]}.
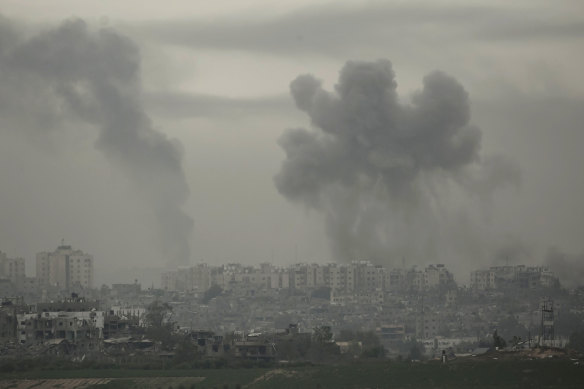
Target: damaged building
{"points": [[75, 322]]}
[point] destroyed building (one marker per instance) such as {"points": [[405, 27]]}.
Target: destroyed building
{"points": [[76, 322]]}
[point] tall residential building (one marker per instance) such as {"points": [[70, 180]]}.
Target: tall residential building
{"points": [[368, 277], [65, 268], [482, 279], [12, 269], [437, 275], [199, 277]]}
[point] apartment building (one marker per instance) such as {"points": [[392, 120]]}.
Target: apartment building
{"points": [[482, 279], [356, 277], [65, 268], [519, 276], [12, 269]]}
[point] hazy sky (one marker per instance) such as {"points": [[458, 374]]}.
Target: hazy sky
{"points": [[208, 90]]}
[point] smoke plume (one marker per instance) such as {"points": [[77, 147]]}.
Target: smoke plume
{"points": [[379, 170], [568, 267], [92, 76], [512, 251]]}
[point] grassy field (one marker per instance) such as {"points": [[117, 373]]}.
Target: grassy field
{"points": [[472, 373], [490, 374], [163, 379]]}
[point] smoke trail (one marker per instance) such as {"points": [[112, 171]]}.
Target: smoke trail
{"points": [[94, 76], [374, 166]]}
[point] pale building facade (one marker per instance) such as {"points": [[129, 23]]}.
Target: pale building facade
{"points": [[12, 269], [65, 268], [513, 276]]}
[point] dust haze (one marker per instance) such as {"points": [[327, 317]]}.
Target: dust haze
{"points": [[76, 73], [124, 123]]}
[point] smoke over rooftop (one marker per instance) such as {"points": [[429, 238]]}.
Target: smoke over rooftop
{"points": [[93, 76], [381, 170], [567, 266]]}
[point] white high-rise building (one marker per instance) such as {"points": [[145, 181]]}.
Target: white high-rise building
{"points": [[12, 269], [65, 268]]}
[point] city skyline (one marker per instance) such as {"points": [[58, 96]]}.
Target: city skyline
{"points": [[67, 268], [207, 92]]}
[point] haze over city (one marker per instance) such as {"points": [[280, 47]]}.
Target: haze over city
{"points": [[154, 135]]}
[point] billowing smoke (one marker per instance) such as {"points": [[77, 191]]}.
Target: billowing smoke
{"points": [[379, 170], [94, 76]]}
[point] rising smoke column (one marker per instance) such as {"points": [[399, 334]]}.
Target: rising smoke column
{"points": [[371, 163], [95, 77]]}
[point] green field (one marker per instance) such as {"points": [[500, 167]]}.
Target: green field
{"points": [[163, 379], [491, 374], [388, 374]]}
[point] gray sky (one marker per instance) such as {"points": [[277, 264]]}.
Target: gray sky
{"points": [[214, 81]]}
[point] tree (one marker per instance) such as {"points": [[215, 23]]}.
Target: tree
{"points": [[322, 334], [158, 318], [158, 314], [374, 352], [510, 327], [577, 341], [322, 348], [498, 342], [294, 348], [186, 351], [515, 341], [568, 323], [416, 351], [370, 343], [412, 348], [346, 335], [212, 292]]}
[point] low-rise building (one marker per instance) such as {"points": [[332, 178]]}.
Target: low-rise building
{"points": [[519, 276], [85, 329]]}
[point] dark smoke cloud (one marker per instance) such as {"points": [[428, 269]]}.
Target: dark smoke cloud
{"points": [[94, 77], [568, 267], [377, 167]]}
